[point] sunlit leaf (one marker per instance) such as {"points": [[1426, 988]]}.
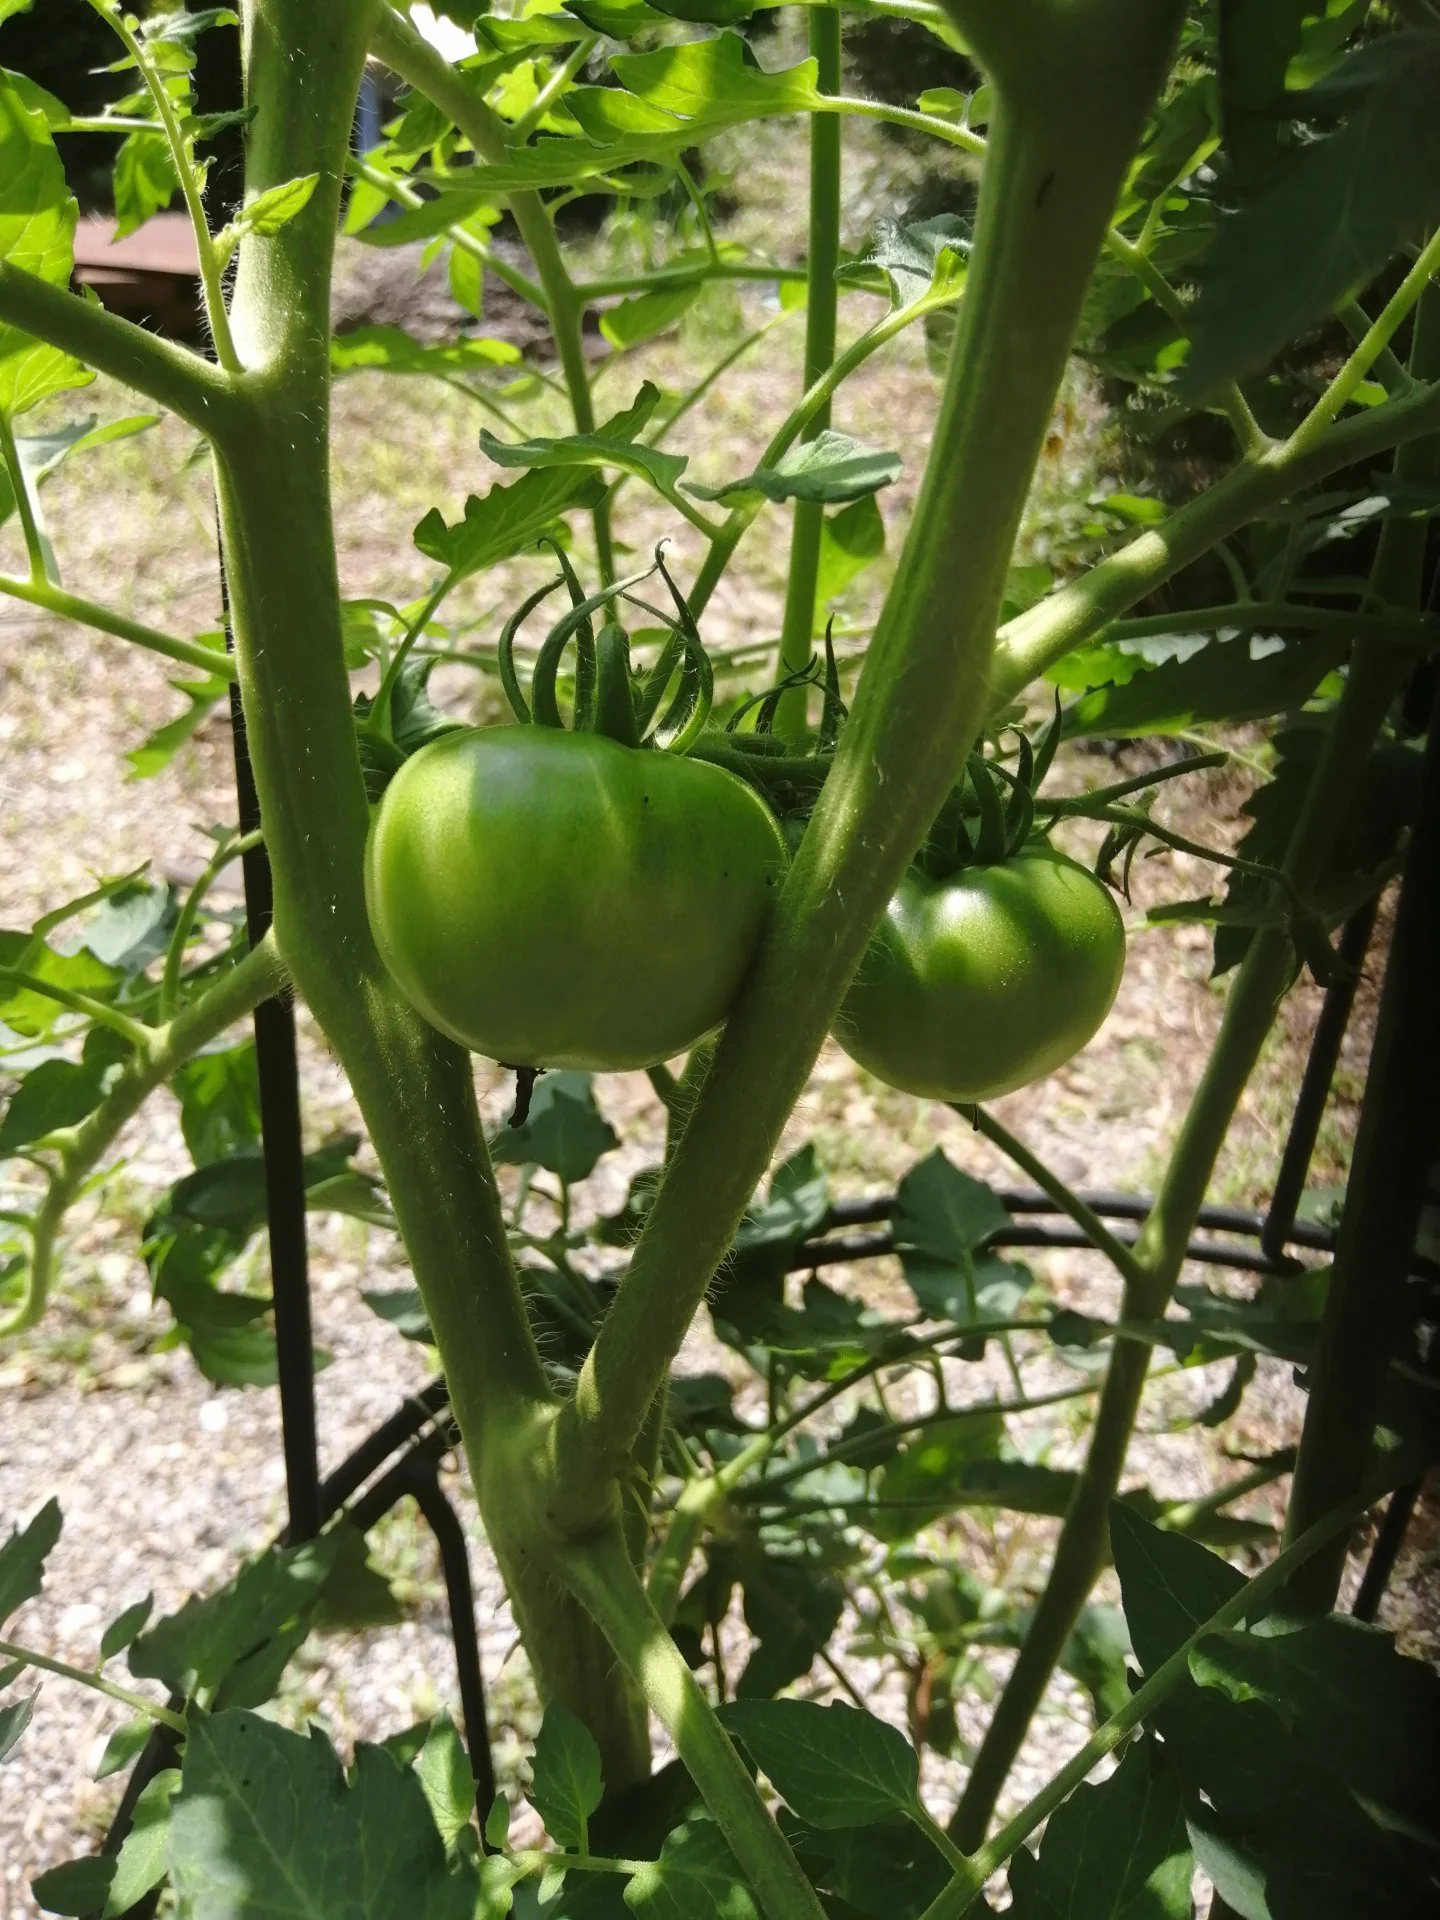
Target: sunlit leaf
{"points": [[831, 468], [1115, 1851], [835, 1766], [565, 1782]]}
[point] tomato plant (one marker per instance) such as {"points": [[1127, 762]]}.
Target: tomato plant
{"points": [[1159, 190]]}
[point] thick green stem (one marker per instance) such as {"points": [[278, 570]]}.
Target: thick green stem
{"points": [[407, 53], [414, 1088], [1060, 145], [798, 629], [235, 994], [610, 1589]]}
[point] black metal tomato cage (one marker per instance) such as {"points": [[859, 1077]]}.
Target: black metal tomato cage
{"points": [[402, 1458]]}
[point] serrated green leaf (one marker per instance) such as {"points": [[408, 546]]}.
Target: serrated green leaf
{"points": [[22, 1559], [1169, 1585], [708, 79], [56, 1094], [695, 1878], [1235, 679], [1332, 213], [392, 350], [564, 1132], [124, 1627], [945, 1213], [142, 1860], [610, 445], [831, 468], [207, 1640], [939, 1466], [834, 1766], [507, 520], [77, 1886], [565, 1783], [265, 1823], [1116, 1851], [219, 1095]]}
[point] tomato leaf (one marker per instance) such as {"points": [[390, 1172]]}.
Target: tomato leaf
{"points": [[610, 445], [76, 1886], [1123, 1842], [22, 1559], [14, 1719], [392, 350], [944, 1213], [142, 1861], [565, 1132], [1332, 214], [57, 1093], [124, 1627], [645, 316], [507, 520], [1234, 679], [266, 1822], [565, 1782], [37, 231], [159, 748], [443, 1768], [852, 539], [831, 468], [144, 180], [695, 1878], [835, 1766]]}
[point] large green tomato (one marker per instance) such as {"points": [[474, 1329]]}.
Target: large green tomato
{"points": [[978, 984], [557, 899]]}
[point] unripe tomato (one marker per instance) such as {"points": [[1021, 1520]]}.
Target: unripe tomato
{"points": [[557, 899], [978, 984]]}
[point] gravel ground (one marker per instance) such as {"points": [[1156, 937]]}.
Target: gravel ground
{"points": [[156, 1471]]}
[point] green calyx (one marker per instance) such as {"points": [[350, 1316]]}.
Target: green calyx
{"points": [[610, 697]]}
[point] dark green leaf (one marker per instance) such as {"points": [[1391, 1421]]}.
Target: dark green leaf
{"points": [[935, 1466], [265, 1824], [56, 1094], [831, 468], [708, 13], [695, 1878], [888, 1871], [1224, 680], [1258, 40], [944, 1213], [124, 1627], [22, 1559], [35, 1014], [208, 1639], [14, 1719], [236, 1356], [219, 1095], [122, 1747], [1169, 1585], [565, 1783], [404, 1309], [851, 540], [79, 1886], [507, 520], [1116, 1851], [1096, 1654], [1350, 1700], [356, 1594], [565, 1132], [1331, 215], [834, 1766], [792, 1606]]}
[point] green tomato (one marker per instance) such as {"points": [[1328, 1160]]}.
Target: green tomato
{"points": [[978, 984], [559, 900]]}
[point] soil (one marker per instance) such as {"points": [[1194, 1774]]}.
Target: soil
{"points": [[165, 1481]]}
